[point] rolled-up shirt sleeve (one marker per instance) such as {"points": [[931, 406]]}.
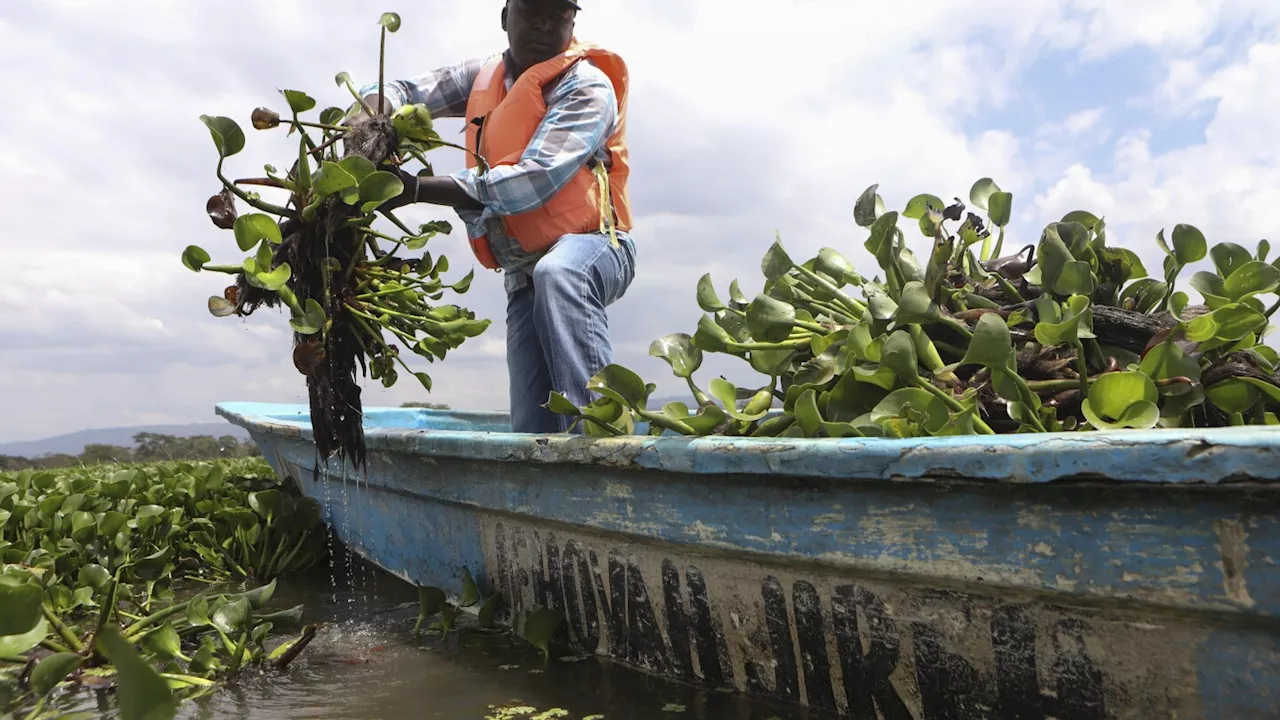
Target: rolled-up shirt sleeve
{"points": [[443, 91], [581, 115]]}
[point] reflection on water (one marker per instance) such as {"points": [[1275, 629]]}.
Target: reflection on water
{"points": [[365, 664]]}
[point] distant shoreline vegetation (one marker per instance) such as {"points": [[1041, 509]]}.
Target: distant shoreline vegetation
{"points": [[147, 448], [154, 447]]}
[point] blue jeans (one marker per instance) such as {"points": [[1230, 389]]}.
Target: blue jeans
{"points": [[557, 327]]}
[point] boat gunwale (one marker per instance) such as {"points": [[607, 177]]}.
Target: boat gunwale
{"points": [[1189, 457]]}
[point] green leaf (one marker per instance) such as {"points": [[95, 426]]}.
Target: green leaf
{"points": [[992, 343], [899, 355], [727, 394], [359, 167], [18, 644], [1084, 217], [252, 229], [832, 263], [710, 337], [143, 694], [1228, 257], [1122, 400], [1001, 208], [299, 102], [379, 187], [195, 258], [540, 626], [470, 593], [1068, 326], [1233, 395], [981, 192], [708, 300], [881, 241], [93, 575], [269, 504], [919, 205], [621, 385], [1189, 245], [227, 135], [53, 670], [163, 642], [1250, 278], [807, 415], [913, 404], [232, 616], [390, 21], [770, 320], [1169, 360], [679, 352], [275, 279], [868, 208], [1236, 321], [776, 262], [312, 320], [915, 307], [333, 116], [333, 178], [773, 363], [19, 607], [1145, 295]]}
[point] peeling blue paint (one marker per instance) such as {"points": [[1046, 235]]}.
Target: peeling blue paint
{"points": [[1161, 529]]}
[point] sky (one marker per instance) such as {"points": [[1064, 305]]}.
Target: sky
{"points": [[745, 119]]}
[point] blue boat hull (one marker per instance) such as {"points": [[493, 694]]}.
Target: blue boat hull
{"points": [[1067, 576]]}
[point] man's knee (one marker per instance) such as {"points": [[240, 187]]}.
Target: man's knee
{"points": [[555, 273]]}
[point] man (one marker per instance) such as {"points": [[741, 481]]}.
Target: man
{"points": [[549, 117]]}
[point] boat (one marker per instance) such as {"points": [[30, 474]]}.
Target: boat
{"points": [[1078, 576]]}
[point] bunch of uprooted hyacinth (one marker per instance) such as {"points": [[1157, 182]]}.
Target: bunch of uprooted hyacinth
{"points": [[352, 293], [1065, 334]]}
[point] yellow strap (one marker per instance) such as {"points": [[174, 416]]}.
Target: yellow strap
{"points": [[606, 204]]}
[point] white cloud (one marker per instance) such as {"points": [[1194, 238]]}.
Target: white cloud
{"points": [[741, 122]]}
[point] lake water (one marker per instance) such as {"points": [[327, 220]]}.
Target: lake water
{"points": [[365, 664]]}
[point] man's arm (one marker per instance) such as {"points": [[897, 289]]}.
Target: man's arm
{"points": [[581, 115], [443, 91]]}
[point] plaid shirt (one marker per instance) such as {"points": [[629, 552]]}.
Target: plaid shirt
{"points": [[582, 113]]}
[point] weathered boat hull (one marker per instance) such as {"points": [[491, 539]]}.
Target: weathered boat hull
{"points": [[1069, 576]]}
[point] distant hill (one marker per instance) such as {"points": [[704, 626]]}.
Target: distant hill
{"points": [[73, 444]]}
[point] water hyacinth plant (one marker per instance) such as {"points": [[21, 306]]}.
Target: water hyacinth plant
{"points": [[1066, 334], [353, 292], [90, 560]]}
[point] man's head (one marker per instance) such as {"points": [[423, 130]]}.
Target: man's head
{"points": [[538, 30]]}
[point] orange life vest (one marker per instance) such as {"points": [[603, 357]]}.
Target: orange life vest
{"points": [[510, 120]]}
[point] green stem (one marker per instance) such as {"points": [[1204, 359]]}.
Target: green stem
{"points": [[788, 345], [133, 630], [14, 659], [35, 712], [226, 269], [321, 126], [1008, 288], [188, 679], [382, 65], [999, 245], [256, 204], [63, 631], [954, 404], [1273, 309], [393, 313], [392, 217], [289, 559], [698, 394], [958, 326], [1082, 368], [56, 647], [857, 309], [351, 88]]}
